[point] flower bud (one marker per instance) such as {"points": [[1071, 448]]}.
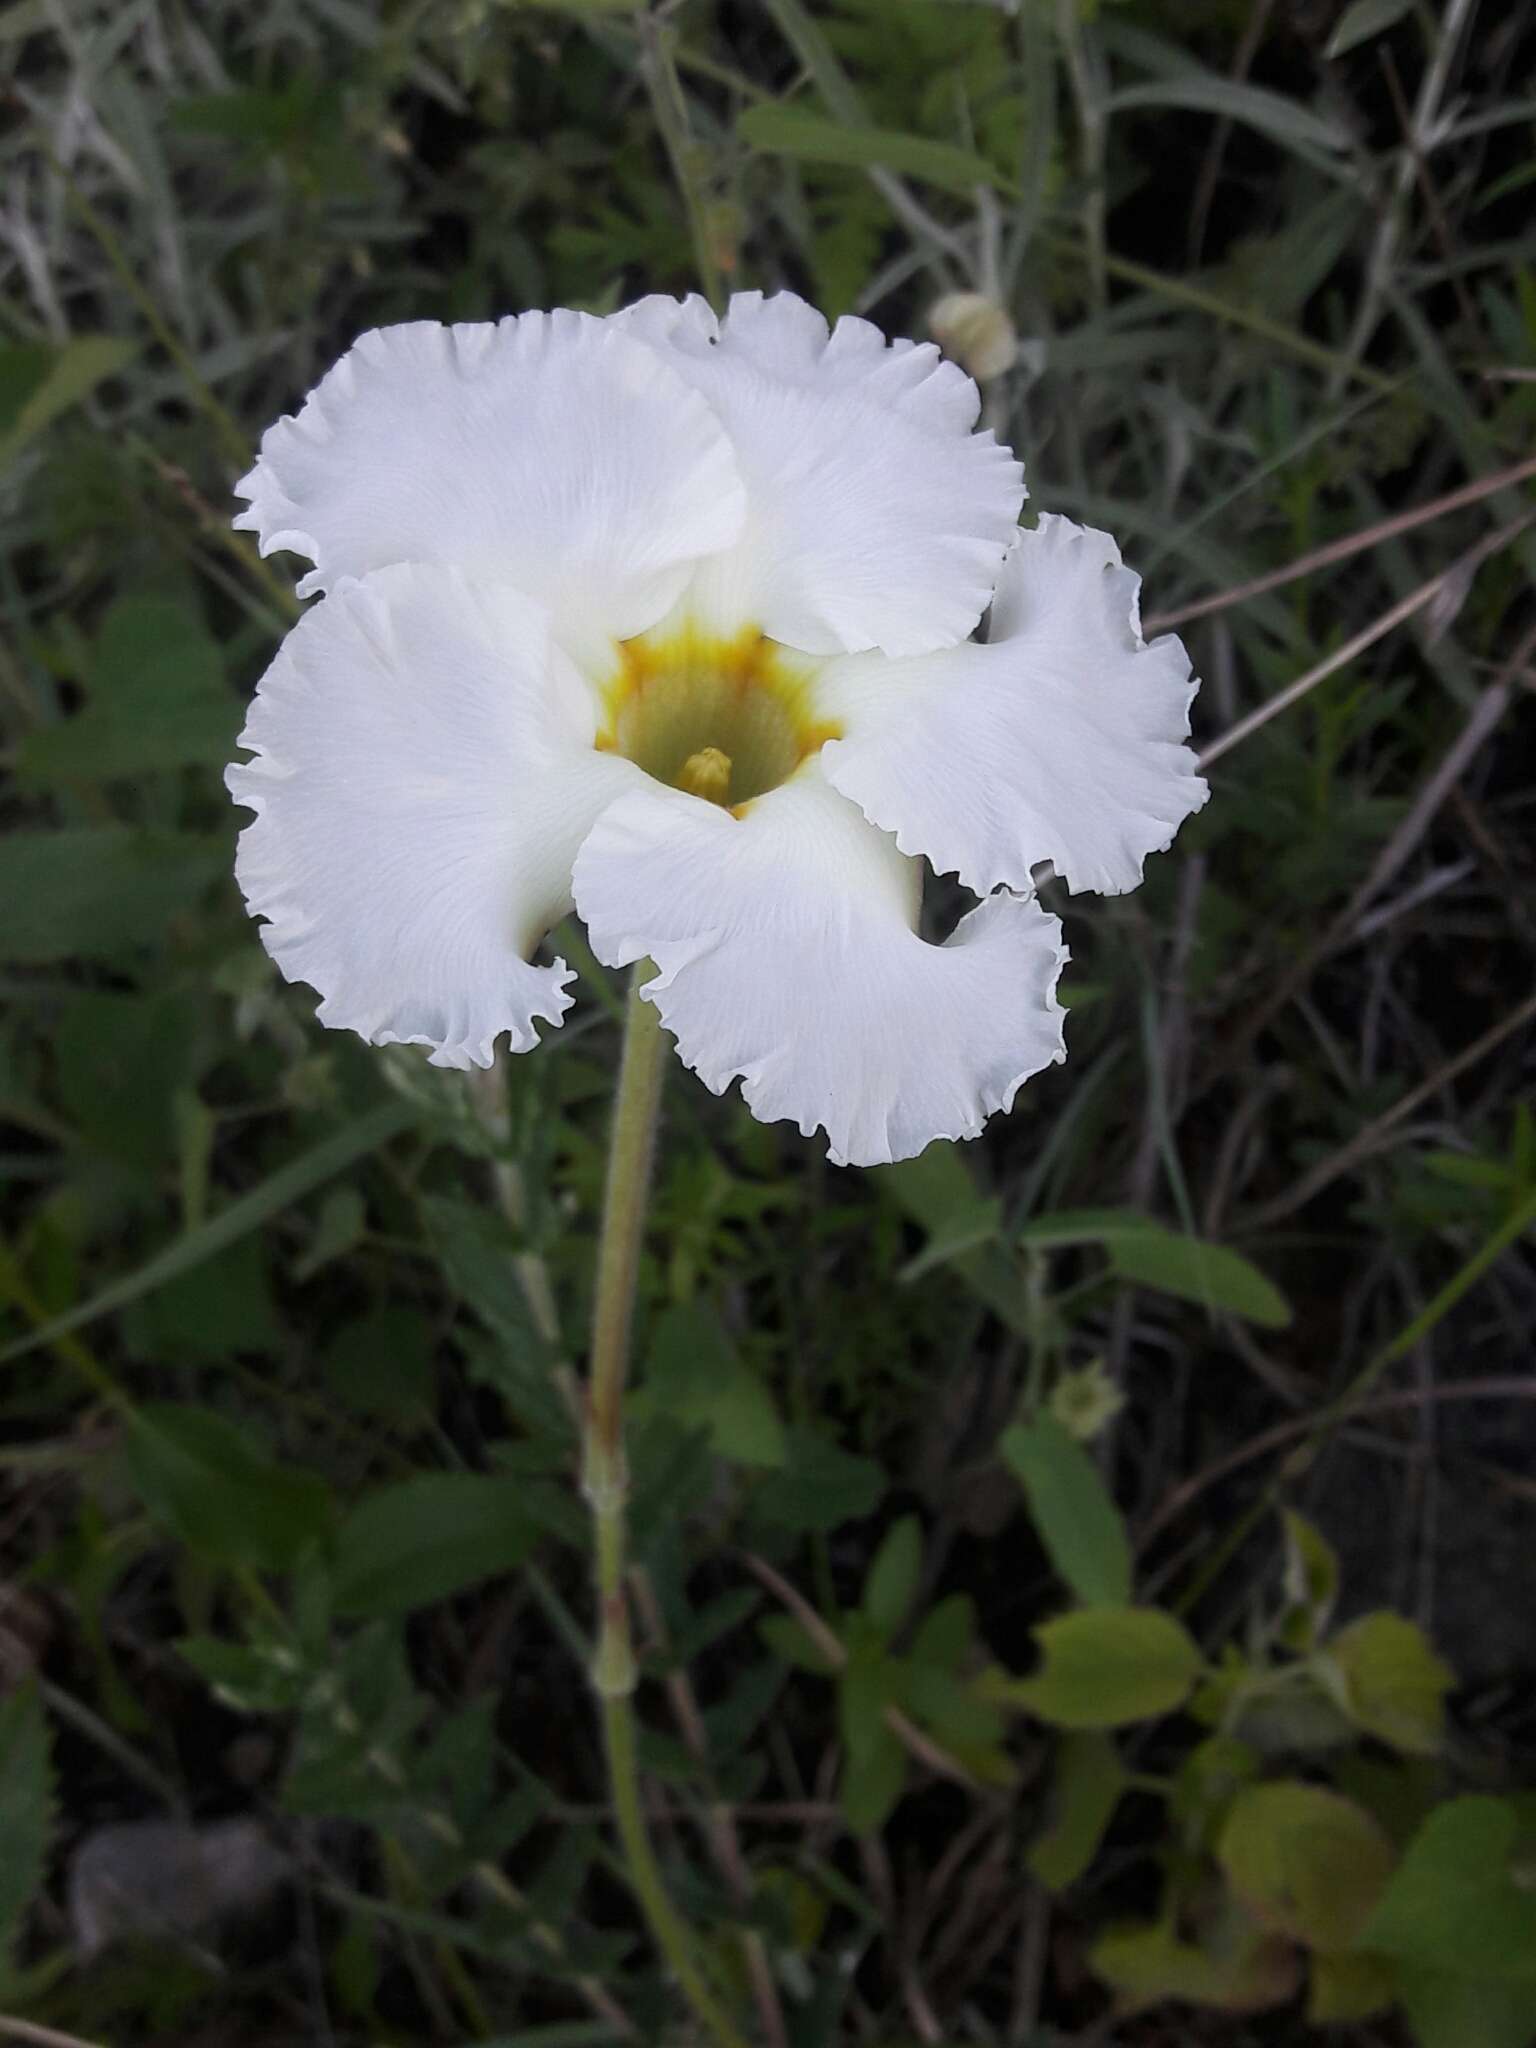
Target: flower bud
{"points": [[976, 332]]}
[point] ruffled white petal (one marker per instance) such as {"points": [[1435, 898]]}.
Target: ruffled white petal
{"points": [[1062, 739], [876, 518], [551, 450], [424, 774], [787, 956]]}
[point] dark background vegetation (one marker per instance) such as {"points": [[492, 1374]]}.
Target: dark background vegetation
{"points": [[291, 1564]]}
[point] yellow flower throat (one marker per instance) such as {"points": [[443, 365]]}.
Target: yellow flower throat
{"points": [[722, 719]]}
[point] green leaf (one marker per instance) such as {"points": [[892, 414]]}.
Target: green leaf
{"points": [[815, 138], [479, 1256], [1348, 1987], [795, 1645], [893, 1576], [1454, 1903], [1311, 1583], [97, 891], [695, 1374], [1390, 1682], [26, 1810], [877, 1764], [1272, 113], [157, 699], [1447, 2011], [820, 1485], [1361, 20], [38, 383], [1070, 1506], [1241, 1969], [1086, 1785], [1150, 1255], [382, 1363], [1306, 1861], [1105, 1666], [407, 1545], [288, 1185], [204, 1480]]}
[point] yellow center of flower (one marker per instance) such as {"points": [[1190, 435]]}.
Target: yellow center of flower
{"points": [[723, 719]]}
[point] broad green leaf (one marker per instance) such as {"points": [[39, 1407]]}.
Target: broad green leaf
{"points": [[1455, 1903], [407, 1545], [962, 1230], [26, 1810], [288, 1185], [205, 1480], [1449, 2011], [1105, 1666], [249, 1678], [97, 891], [1361, 20], [819, 1485], [695, 1374], [1390, 1682], [1241, 1969], [1070, 1506], [1086, 1783], [38, 382], [382, 1362], [1147, 1253], [1348, 1987], [1306, 1861], [893, 1576], [157, 699], [816, 138]]}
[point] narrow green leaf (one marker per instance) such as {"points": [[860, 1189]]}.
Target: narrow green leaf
{"points": [[279, 1191], [893, 1576], [1071, 1508], [205, 1481], [1151, 1255], [1272, 113], [38, 383], [1361, 20], [410, 1544], [26, 1810], [1105, 1666], [799, 132]]}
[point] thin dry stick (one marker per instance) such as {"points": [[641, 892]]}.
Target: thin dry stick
{"points": [[1341, 550], [45, 2037], [1369, 1140], [1454, 581], [907, 1733], [1512, 1388], [1482, 720]]}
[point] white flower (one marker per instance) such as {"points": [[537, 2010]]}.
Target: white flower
{"points": [[667, 620]]}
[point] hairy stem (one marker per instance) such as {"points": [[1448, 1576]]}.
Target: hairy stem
{"points": [[605, 1482]]}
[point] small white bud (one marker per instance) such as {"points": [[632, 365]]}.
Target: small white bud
{"points": [[976, 332]]}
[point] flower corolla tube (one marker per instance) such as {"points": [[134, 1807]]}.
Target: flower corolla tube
{"points": [[667, 619]]}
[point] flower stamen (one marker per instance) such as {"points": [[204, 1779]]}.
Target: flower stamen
{"points": [[707, 774]]}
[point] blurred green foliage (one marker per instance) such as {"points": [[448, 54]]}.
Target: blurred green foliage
{"points": [[998, 1673]]}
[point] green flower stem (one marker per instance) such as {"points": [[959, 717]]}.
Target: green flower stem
{"points": [[605, 1481]]}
